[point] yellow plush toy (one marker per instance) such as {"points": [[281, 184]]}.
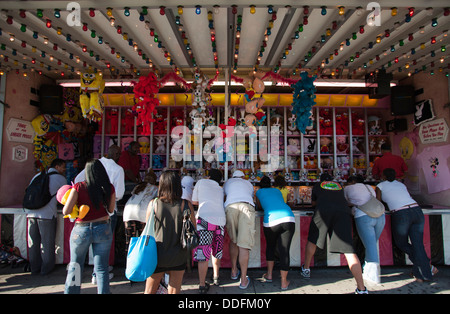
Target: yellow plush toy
{"points": [[41, 124], [62, 195], [91, 101]]}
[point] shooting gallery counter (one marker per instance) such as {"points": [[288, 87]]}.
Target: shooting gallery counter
{"points": [[14, 232]]}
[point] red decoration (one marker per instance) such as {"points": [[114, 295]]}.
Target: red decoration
{"points": [[145, 94]]}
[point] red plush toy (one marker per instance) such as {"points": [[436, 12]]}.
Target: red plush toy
{"points": [[231, 124], [128, 122], [113, 116], [341, 124], [358, 126], [145, 94]]}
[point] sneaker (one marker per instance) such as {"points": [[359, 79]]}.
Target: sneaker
{"points": [[357, 291], [305, 272]]}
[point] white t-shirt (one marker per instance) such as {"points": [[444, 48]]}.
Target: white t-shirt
{"points": [[395, 194], [115, 173], [358, 194], [238, 190], [136, 206], [209, 195]]}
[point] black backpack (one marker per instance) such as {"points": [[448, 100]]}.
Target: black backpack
{"points": [[37, 194]]}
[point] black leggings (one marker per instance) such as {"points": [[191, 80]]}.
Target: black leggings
{"points": [[281, 234]]}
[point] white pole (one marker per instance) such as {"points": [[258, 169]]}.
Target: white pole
{"points": [[227, 104]]}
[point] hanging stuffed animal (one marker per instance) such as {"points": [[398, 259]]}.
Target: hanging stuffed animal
{"points": [[303, 101], [200, 98], [254, 87], [91, 100], [146, 102], [49, 133]]}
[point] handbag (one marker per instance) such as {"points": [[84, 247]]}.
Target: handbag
{"points": [[189, 235], [373, 208], [142, 253]]}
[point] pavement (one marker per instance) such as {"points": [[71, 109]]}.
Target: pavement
{"points": [[328, 280]]}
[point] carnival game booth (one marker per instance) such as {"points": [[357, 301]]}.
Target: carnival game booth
{"points": [[301, 162], [303, 88]]}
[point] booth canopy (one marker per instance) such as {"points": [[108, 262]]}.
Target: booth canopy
{"points": [[127, 39]]}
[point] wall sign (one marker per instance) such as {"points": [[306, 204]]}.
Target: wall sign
{"points": [[20, 131], [424, 112], [20, 153], [434, 131]]}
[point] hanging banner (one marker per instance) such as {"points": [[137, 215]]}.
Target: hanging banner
{"points": [[433, 131]]}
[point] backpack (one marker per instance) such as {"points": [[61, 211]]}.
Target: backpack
{"points": [[37, 194]]}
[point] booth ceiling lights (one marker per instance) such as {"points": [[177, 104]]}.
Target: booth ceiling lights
{"points": [[344, 41]]}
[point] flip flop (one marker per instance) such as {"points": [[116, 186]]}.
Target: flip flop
{"points": [[246, 286], [434, 270], [264, 279], [237, 275], [286, 288]]}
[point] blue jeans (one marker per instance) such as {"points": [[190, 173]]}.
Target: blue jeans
{"points": [[369, 230], [83, 235], [409, 223]]}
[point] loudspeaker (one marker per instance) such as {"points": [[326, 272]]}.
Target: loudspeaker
{"points": [[378, 84], [402, 100], [51, 99], [396, 125]]}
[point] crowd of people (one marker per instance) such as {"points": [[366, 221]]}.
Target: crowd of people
{"points": [[230, 208]]}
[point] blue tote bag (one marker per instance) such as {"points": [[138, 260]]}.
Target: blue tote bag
{"points": [[142, 255]]}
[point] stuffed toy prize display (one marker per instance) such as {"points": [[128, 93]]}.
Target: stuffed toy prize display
{"points": [[91, 101]]}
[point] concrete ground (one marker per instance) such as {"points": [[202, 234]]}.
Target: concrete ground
{"points": [[331, 280]]}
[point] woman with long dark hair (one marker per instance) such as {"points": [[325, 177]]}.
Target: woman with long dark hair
{"points": [[168, 208], [98, 193]]}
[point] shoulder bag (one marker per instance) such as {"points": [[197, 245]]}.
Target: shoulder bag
{"points": [[373, 208], [142, 253], [189, 235]]}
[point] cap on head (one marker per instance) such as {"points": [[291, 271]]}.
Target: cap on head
{"points": [[238, 174]]}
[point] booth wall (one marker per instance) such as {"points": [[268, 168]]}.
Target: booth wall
{"points": [[15, 176], [436, 88]]}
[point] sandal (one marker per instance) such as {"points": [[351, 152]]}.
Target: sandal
{"points": [[237, 275], [434, 270], [215, 280], [246, 286], [203, 289], [265, 279]]}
